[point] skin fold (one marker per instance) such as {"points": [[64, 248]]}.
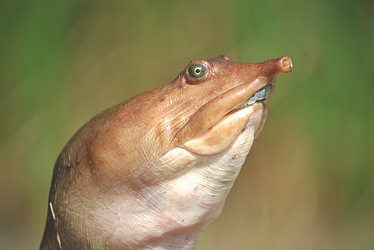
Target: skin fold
{"points": [[152, 171]]}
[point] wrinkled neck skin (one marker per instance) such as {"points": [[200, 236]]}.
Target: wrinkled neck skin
{"points": [[198, 195], [151, 172]]}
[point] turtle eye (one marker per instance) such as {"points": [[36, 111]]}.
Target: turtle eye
{"points": [[197, 70]]}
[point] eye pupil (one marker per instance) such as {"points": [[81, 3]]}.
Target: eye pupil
{"points": [[197, 70]]}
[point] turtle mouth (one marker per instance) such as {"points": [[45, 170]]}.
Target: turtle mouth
{"points": [[223, 131], [261, 94]]}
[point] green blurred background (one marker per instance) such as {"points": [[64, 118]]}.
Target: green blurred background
{"points": [[308, 182]]}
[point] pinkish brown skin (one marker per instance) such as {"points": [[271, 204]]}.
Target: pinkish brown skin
{"points": [[151, 172]]}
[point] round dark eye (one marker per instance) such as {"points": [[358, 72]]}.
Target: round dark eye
{"points": [[197, 70]]}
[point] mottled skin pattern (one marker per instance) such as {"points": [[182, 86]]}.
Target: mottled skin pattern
{"points": [[151, 172]]}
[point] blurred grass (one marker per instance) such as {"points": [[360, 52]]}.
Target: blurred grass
{"points": [[308, 182]]}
